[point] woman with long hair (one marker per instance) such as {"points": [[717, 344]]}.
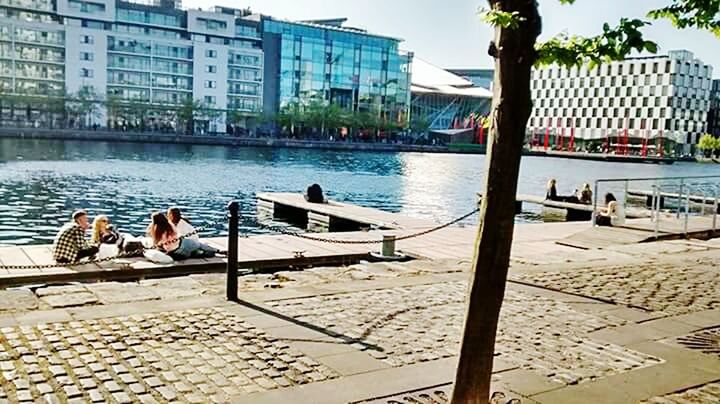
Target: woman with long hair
{"points": [[586, 194], [103, 232], [551, 189], [165, 236], [613, 214], [183, 226]]}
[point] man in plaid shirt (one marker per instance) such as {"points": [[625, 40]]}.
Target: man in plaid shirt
{"points": [[70, 243]]}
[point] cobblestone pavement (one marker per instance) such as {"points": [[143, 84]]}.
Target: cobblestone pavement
{"points": [[678, 289], [181, 356], [708, 393], [422, 323]]}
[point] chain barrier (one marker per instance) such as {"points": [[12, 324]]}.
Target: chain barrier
{"points": [[398, 238], [125, 254], [213, 224]]}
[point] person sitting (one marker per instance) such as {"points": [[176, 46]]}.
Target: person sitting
{"points": [[70, 244], [315, 194], [166, 238], [612, 215], [551, 193], [182, 225], [103, 232], [586, 194]]}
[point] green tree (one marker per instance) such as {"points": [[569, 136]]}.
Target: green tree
{"points": [[83, 107], [515, 50], [189, 111], [707, 144]]}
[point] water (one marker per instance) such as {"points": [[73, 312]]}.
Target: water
{"points": [[43, 181]]}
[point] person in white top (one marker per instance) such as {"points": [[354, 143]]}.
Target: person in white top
{"points": [[613, 215], [182, 225]]}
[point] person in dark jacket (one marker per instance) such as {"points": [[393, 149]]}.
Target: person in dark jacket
{"points": [[314, 194]]}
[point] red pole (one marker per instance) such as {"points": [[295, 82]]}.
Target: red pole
{"points": [[562, 134], [547, 134], [571, 146], [482, 132]]}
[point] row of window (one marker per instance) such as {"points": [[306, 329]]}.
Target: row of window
{"points": [[540, 125], [548, 115], [629, 68]]}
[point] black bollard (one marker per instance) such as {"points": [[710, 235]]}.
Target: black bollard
{"points": [[232, 253]]}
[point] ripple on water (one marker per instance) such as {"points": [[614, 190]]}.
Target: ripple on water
{"points": [[129, 181]]}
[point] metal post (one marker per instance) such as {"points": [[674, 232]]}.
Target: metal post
{"points": [[625, 196], [388, 246], [702, 205], [687, 211], [715, 213], [679, 204], [232, 254], [595, 199], [656, 210]]}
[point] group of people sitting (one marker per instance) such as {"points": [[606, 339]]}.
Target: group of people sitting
{"points": [[611, 215], [169, 233], [584, 196]]}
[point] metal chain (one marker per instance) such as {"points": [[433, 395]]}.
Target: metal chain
{"points": [[125, 254], [399, 238], [225, 219]]}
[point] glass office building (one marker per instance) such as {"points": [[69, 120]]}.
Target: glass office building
{"points": [[142, 60], [324, 61]]}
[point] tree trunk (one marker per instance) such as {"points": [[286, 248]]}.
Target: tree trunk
{"points": [[514, 54]]}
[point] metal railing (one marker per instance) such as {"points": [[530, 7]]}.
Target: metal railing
{"points": [[688, 191]]}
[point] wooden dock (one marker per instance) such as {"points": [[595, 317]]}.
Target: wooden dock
{"points": [[284, 251], [674, 196], [573, 211], [332, 216]]}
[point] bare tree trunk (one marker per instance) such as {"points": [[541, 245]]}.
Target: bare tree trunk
{"points": [[514, 54]]}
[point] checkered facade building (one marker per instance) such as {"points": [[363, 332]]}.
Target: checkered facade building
{"points": [[714, 115], [666, 96]]}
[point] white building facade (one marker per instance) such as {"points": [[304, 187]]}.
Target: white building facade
{"points": [[646, 98], [130, 54]]}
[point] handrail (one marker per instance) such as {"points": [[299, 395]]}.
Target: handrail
{"points": [[656, 178], [684, 185]]}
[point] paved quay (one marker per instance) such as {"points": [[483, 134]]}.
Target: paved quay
{"points": [[625, 324]]}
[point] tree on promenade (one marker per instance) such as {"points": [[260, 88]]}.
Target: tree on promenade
{"points": [[516, 50]]}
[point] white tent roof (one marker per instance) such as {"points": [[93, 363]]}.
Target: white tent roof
{"points": [[428, 78]]}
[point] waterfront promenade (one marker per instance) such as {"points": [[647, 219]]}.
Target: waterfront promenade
{"points": [[612, 320], [619, 325]]}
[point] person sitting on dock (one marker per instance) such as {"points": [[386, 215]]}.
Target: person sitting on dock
{"points": [[182, 225], [103, 232], [70, 244], [586, 194], [551, 190], [315, 194], [166, 238], [613, 214]]}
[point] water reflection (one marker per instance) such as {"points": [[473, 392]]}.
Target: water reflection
{"points": [[42, 182]]}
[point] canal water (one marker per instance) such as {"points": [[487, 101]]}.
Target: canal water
{"points": [[43, 181]]}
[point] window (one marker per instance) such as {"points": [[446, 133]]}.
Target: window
{"points": [[86, 56], [210, 99], [210, 53], [86, 73], [86, 39], [86, 6], [210, 84], [210, 69]]}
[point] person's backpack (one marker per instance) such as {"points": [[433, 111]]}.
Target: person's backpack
{"points": [[315, 194]]}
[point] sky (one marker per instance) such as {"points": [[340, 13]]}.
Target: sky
{"points": [[449, 33]]}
